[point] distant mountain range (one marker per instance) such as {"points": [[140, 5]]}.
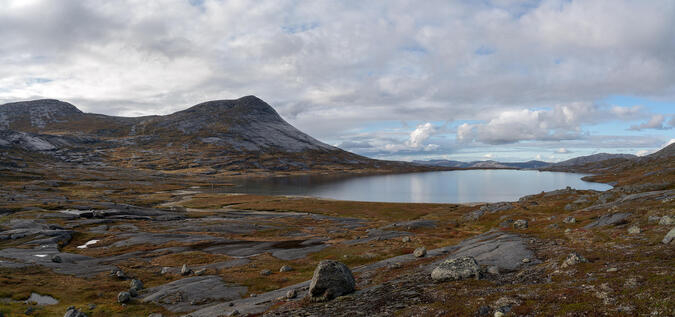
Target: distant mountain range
{"points": [[483, 164]]}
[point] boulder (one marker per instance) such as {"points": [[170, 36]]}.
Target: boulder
{"points": [[670, 237], [610, 220], [185, 270], [634, 230], [123, 297], [667, 220], [292, 293], [265, 272], [570, 219], [285, 268], [456, 269], [56, 259], [520, 224], [573, 259], [136, 284], [405, 239], [420, 252], [331, 279], [74, 312]]}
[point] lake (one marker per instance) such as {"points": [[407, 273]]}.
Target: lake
{"points": [[429, 187]]}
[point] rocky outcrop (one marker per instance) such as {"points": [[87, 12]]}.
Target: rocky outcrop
{"points": [[614, 219], [331, 279], [192, 293], [456, 269]]}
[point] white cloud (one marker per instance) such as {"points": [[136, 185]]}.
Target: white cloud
{"points": [[420, 135], [563, 150], [655, 122]]}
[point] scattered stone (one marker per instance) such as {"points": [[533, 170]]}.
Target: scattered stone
{"points": [[165, 270], [136, 284], [420, 252], [57, 259], [133, 292], [483, 311], [285, 268], [185, 270], [568, 230], [91, 306], [498, 314], [670, 237], [155, 315], [526, 260], [456, 269], [520, 224], [553, 226], [573, 259], [233, 313], [265, 272], [123, 297], [29, 310], [634, 230], [406, 239], [570, 219], [493, 269], [652, 219], [120, 274], [73, 312], [292, 293], [667, 220], [612, 269], [331, 279], [200, 272], [506, 223]]}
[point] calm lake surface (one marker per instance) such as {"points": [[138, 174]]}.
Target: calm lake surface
{"points": [[429, 187]]}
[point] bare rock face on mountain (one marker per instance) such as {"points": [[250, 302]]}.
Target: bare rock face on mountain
{"points": [[244, 133]]}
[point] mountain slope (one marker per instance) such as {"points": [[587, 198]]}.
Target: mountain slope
{"points": [[240, 134]]}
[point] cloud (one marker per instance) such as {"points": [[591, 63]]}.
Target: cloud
{"points": [[656, 122], [420, 135], [563, 150], [502, 66]]}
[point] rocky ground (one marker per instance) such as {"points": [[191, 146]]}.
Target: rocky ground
{"points": [[98, 242]]}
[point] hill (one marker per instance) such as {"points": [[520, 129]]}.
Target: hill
{"points": [[220, 135]]}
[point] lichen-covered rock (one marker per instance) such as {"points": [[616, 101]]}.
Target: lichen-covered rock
{"points": [[634, 230], [420, 252], [123, 297], [74, 312], [185, 270], [136, 284], [331, 279], [670, 237], [456, 269], [570, 219], [520, 224], [573, 259], [285, 268], [667, 220]]}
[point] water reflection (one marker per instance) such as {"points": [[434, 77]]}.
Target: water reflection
{"points": [[438, 187]]}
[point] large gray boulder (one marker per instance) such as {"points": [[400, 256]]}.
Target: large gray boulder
{"points": [[74, 312], [610, 220], [331, 279], [456, 269]]}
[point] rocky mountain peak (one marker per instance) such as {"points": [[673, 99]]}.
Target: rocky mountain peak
{"points": [[34, 114]]}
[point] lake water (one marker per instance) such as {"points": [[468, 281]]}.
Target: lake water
{"points": [[428, 187]]}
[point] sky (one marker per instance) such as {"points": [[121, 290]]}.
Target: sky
{"points": [[461, 80]]}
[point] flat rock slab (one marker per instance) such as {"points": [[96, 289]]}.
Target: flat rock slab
{"points": [[129, 239], [378, 235], [500, 249], [73, 264], [284, 250], [610, 220], [411, 225], [193, 293]]}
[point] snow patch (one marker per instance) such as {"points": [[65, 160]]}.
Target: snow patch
{"points": [[88, 243]]}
